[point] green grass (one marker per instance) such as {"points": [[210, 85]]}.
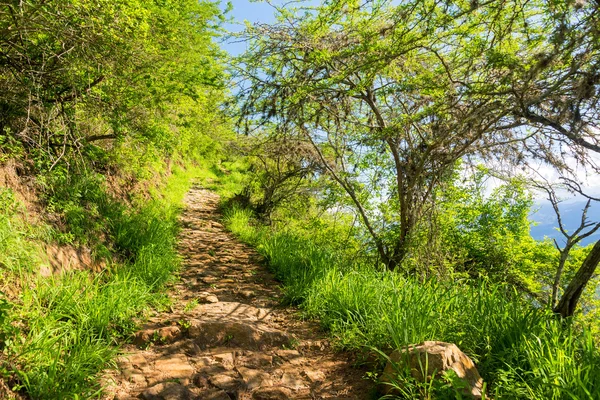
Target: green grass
{"points": [[521, 352], [64, 330], [16, 252]]}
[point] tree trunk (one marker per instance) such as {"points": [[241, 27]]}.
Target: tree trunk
{"points": [[568, 302], [564, 254]]}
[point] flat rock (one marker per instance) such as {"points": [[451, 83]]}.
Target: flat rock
{"points": [[200, 362], [217, 394], [207, 298], [225, 382], [134, 375], [314, 376], [137, 360], [225, 359], [174, 366], [293, 381], [254, 378], [238, 334], [235, 310], [167, 391], [258, 360], [271, 393], [288, 354], [292, 356]]}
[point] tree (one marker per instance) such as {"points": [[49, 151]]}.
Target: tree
{"points": [[572, 239], [79, 72], [557, 92], [280, 169], [390, 97]]}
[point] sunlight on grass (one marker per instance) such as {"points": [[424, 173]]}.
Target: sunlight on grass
{"points": [[520, 351]]}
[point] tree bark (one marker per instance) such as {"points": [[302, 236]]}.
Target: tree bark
{"points": [[568, 302]]}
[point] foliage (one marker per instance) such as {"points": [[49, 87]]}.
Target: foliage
{"points": [[16, 252], [521, 351], [78, 72], [281, 172], [487, 235], [391, 96]]}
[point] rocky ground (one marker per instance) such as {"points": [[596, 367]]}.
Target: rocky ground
{"points": [[226, 336]]}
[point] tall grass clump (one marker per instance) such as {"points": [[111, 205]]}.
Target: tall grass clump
{"points": [[63, 331], [521, 351], [17, 254]]}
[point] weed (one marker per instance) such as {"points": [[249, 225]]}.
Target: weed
{"points": [[185, 324], [191, 305]]}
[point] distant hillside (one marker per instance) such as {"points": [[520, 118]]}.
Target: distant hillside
{"points": [[545, 222]]}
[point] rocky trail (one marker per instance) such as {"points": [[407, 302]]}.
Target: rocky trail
{"points": [[226, 336]]}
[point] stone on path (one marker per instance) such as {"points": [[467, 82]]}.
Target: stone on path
{"points": [[314, 376], [258, 360], [254, 378], [438, 357], [174, 366], [234, 311], [273, 393], [236, 334], [167, 391], [225, 382], [217, 394], [205, 297], [227, 360], [293, 381]]}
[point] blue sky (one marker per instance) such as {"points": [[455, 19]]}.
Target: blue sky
{"points": [[251, 11]]}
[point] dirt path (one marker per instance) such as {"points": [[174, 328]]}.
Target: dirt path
{"points": [[226, 337]]}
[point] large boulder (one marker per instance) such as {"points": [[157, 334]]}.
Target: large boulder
{"points": [[431, 359]]}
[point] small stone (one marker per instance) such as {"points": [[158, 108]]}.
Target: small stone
{"points": [[175, 366], [314, 376], [137, 360], [213, 369], [288, 354], [143, 337], [202, 361], [216, 225], [254, 378], [217, 394], [225, 359], [201, 381], [122, 395], [225, 382], [293, 381], [168, 334], [292, 356], [259, 360], [167, 391], [207, 298], [271, 393], [134, 376], [246, 293]]}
